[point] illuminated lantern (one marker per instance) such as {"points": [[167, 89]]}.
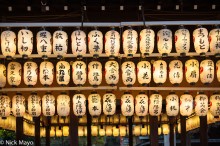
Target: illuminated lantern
{"points": [[137, 130], [128, 73], [182, 41], [147, 37], [52, 131], [201, 104], [48, 104], [46, 73], [60, 43], [95, 73], [122, 131], [141, 104], [130, 38], [8, 43], [14, 74], [63, 104], [95, 107], [80, 131], [65, 130], [112, 43], [186, 104], [2, 75], [144, 131], [201, 40], [58, 131], [34, 105], [30, 73], [192, 71], [94, 130], [176, 72], [79, 105], [78, 40], [5, 106], [144, 72], [79, 73], [111, 72], [108, 130], [127, 104], [18, 105], [215, 105], [115, 131], [95, 43], [63, 73], [109, 104], [218, 70], [164, 41], [166, 129], [159, 71], [155, 104], [214, 41], [101, 131], [207, 71], [172, 104]]}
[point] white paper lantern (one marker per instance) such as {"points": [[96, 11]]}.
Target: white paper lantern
{"points": [[122, 131], [111, 72], [166, 129], [164, 41], [14, 73], [201, 105], [63, 73], [137, 130], [34, 105], [128, 73], [144, 72], [127, 104], [18, 105], [182, 41], [94, 130], [95, 43], [109, 104], [192, 71], [115, 131], [79, 105], [8, 43], [172, 105], [79, 73], [95, 73], [186, 104], [48, 104], [30, 73], [201, 40], [218, 70], [155, 105], [141, 105], [215, 105], [147, 37], [63, 104], [214, 41], [159, 71], [101, 131], [5, 106], [60, 43], [2, 75], [176, 72], [46, 73], [207, 71], [95, 107], [112, 43], [108, 130], [80, 131]]}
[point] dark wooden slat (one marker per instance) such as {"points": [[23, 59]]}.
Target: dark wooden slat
{"points": [[203, 131], [183, 130], [37, 130], [154, 131]]}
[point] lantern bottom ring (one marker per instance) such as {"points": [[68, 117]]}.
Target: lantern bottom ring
{"points": [[9, 57], [207, 83], [144, 84], [79, 57], [146, 54], [95, 86], [182, 54], [30, 85], [59, 57], [129, 85], [217, 55], [111, 57], [44, 57], [130, 56], [202, 54], [192, 83], [112, 85], [164, 54], [176, 84], [96, 56], [25, 56]]}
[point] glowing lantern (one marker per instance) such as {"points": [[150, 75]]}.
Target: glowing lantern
{"points": [[112, 43], [14, 73], [79, 105], [176, 72], [58, 131], [34, 105], [8, 43], [130, 38], [94, 130], [63, 104], [164, 41], [215, 105], [95, 43], [144, 72], [30, 73], [2, 75], [101, 131], [80, 131], [166, 129], [115, 131], [5, 106], [127, 104], [192, 71], [95, 107], [48, 105], [46, 73], [108, 130], [79, 72], [218, 70], [63, 73], [95, 73], [141, 104], [201, 105], [207, 71], [65, 130], [214, 35], [155, 105], [159, 71], [201, 40], [122, 131], [60, 43], [144, 131], [109, 104], [137, 130], [52, 131], [172, 105], [182, 41], [147, 37], [111, 72], [18, 105], [186, 104], [78, 40], [128, 73]]}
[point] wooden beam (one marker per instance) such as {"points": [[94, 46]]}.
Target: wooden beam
{"points": [[154, 131], [203, 131]]}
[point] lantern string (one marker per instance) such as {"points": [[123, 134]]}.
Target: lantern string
{"points": [[142, 10]]}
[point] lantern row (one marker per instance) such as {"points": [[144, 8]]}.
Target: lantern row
{"points": [[58, 43]]}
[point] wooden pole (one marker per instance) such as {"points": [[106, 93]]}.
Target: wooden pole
{"points": [[19, 129], [48, 131], [89, 123], [130, 138], [172, 121], [203, 131], [183, 130], [153, 131], [37, 130]]}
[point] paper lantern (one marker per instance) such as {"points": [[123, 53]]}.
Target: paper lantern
{"points": [[65, 130], [172, 105], [127, 104], [78, 40], [215, 105], [18, 105], [79, 73], [60, 43], [166, 129], [14, 74], [122, 131], [155, 105], [144, 72], [80, 131], [214, 41], [186, 104], [94, 130], [115, 131], [141, 105], [159, 71], [111, 72], [182, 41], [147, 37], [201, 105], [48, 105], [144, 130], [46, 73], [52, 131], [95, 107], [207, 71], [34, 105], [128, 73], [79, 105], [44, 43], [101, 131], [201, 40], [112, 43], [2, 75], [176, 72], [8, 43], [218, 70], [95, 73], [109, 104], [63, 73], [58, 131], [108, 130], [95, 43], [5, 106], [30, 73], [63, 104], [164, 41], [192, 71], [137, 130], [129, 39]]}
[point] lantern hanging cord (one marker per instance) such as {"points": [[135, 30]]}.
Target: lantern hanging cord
{"points": [[142, 10], [82, 16]]}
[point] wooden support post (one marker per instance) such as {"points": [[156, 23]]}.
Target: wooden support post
{"points": [[154, 131], [19, 129], [203, 131], [172, 122], [48, 131], [183, 130], [130, 125], [89, 123], [37, 130]]}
